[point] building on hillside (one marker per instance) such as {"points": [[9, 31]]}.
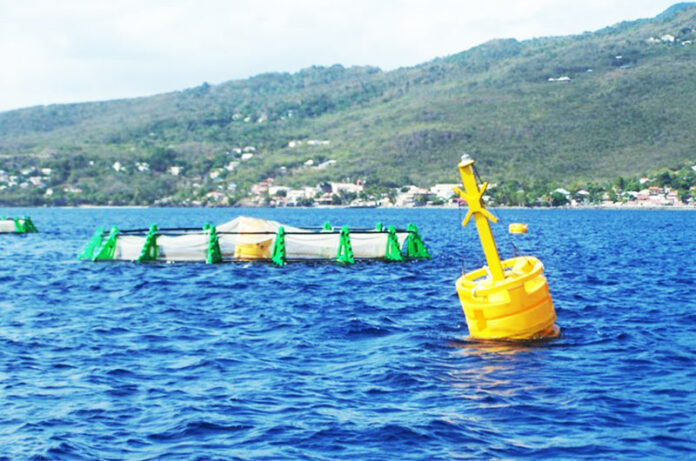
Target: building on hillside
{"points": [[262, 187], [296, 195], [278, 190], [215, 196], [444, 191], [346, 187], [408, 198]]}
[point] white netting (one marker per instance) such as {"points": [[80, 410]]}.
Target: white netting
{"points": [[7, 225], [373, 245], [128, 247], [325, 245], [255, 240], [191, 247], [311, 246]]}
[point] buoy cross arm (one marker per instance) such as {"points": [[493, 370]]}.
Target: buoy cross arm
{"points": [[473, 201]]}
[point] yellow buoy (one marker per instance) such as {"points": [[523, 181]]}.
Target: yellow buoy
{"points": [[253, 243], [504, 300], [517, 228]]}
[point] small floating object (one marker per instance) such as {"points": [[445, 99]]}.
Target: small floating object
{"points": [[251, 239], [507, 299], [517, 228], [23, 225]]}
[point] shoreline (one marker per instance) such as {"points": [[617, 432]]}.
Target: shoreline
{"points": [[433, 207]]}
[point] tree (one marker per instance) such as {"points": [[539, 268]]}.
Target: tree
{"points": [[558, 199]]}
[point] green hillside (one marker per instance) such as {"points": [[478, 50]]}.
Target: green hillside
{"points": [[619, 101]]}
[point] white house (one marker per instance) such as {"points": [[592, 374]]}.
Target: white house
{"points": [[275, 190], [444, 191], [337, 187]]}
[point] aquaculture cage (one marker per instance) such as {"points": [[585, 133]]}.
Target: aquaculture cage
{"points": [[23, 225], [251, 239]]}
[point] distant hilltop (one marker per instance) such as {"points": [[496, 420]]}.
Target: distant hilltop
{"points": [[552, 111]]}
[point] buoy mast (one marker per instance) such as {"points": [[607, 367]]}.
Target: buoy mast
{"points": [[473, 196]]}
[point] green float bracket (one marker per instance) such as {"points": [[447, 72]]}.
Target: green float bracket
{"points": [[29, 225], [345, 249], [327, 227], [393, 252], [278, 255], [92, 246], [213, 255], [415, 248], [108, 247], [25, 226], [150, 250], [379, 227]]}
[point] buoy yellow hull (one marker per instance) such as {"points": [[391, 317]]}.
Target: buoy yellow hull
{"points": [[518, 307]]}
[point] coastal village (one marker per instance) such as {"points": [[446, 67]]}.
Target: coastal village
{"points": [[216, 189], [330, 193]]}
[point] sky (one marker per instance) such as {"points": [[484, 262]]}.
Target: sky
{"points": [[88, 50]]}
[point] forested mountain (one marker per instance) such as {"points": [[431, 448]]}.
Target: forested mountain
{"points": [[618, 101]]}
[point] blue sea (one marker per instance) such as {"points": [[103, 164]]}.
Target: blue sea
{"points": [[371, 361]]}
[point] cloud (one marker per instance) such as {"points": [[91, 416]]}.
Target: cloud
{"points": [[70, 51]]}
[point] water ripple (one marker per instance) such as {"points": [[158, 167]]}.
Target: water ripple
{"points": [[371, 361]]}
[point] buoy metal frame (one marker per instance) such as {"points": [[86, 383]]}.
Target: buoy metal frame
{"points": [[507, 299]]}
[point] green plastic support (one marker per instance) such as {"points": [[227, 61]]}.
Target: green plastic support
{"points": [[393, 252], [213, 254], [327, 227], [25, 225], [345, 249], [19, 228], [415, 248], [379, 227], [29, 224], [108, 247], [92, 246], [278, 255], [150, 249]]}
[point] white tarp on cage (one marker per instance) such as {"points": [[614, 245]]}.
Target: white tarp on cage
{"points": [[190, 247], [258, 237], [373, 245], [7, 225], [128, 247]]}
